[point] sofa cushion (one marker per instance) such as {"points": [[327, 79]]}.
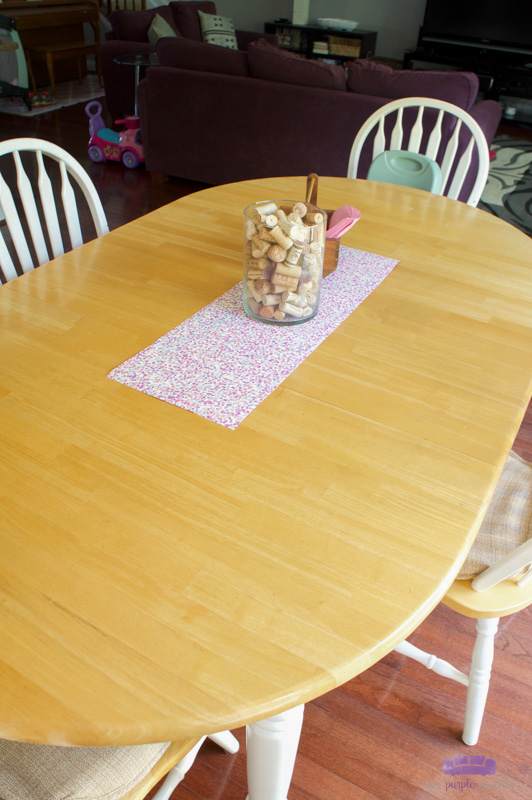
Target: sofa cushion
{"points": [[133, 26], [188, 54], [218, 30], [159, 29], [271, 63], [380, 80], [186, 16]]}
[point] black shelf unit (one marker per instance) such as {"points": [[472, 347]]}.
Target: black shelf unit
{"points": [[341, 45]]}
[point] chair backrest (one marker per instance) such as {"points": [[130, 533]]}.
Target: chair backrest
{"points": [[38, 221], [442, 131], [125, 5]]}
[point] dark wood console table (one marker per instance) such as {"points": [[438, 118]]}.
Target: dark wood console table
{"points": [[316, 42], [53, 22]]}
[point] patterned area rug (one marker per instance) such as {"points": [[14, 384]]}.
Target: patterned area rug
{"points": [[508, 192], [68, 94]]}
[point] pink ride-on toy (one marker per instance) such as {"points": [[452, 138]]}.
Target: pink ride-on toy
{"points": [[108, 145]]}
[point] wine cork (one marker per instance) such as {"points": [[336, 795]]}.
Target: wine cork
{"points": [[281, 238], [294, 254], [252, 292], [283, 282], [253, 306], [293, 298], [259, 247], [270, 299], [300, 209], [276, 253], [315, 218], [291, 309], [288, 269], [268, 208]]}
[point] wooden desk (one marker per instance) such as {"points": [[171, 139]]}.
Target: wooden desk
{"points": [[163, 576]]}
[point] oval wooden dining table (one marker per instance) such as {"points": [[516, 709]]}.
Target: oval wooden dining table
{"points": [[164, 577]]}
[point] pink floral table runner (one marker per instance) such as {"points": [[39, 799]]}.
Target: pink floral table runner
{"points": [[221, 364]]}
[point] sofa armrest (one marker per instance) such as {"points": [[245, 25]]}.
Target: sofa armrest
{"points": [[488, 114], [244, 38]]}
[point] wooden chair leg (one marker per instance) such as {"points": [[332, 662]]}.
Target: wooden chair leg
{"points": [[479, 679], [50, 67], [31, 75], [99, 67]]}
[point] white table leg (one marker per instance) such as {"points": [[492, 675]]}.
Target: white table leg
{"points": [[271, 753]]}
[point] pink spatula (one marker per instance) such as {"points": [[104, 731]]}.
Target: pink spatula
{"points": [[341, 221]]}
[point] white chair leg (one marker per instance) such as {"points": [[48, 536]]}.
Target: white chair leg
{"points": [[479, 679], [226, 741], [437, 665], [271, 753], [177, 773]]}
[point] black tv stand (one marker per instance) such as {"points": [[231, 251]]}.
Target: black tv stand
{"points": [[502, 73]]}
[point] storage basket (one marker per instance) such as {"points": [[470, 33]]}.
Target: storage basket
{"points": [[341, 46]]}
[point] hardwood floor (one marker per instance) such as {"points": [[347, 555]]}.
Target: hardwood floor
{"points": [[385, 733]]}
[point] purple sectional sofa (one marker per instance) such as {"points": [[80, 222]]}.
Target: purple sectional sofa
{"points": [[129, 34], [218, 115]]}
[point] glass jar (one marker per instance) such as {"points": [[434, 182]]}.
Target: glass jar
{"points": [[284, 244]]}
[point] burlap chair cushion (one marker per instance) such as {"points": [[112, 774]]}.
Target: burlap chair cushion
{"points": [[507, 523], [43, 772]]}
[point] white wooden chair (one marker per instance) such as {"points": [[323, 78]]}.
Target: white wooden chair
{"points": [[38, 220], [432, 137], [45, 772], [495, 581]]}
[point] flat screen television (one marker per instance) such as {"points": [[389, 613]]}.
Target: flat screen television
{"points": [[494, 24]]}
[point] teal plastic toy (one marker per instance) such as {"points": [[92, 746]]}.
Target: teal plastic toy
{"points": [[406, 169]]}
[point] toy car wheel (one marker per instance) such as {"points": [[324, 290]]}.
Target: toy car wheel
{"points": [[130, 160], [95, 153]]}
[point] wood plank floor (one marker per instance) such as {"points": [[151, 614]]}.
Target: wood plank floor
{"points": [[385, 733]]}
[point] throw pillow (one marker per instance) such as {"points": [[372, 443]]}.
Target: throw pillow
{"points": [[133, 26], [188, 54], [380, 80], [271, 63], [158, 29], [218, 30]]}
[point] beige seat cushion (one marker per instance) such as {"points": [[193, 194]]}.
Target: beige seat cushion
{"points": [[507, 523], [43, 772]]}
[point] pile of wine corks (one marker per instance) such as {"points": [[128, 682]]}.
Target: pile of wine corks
{"points": [[283, 260]]}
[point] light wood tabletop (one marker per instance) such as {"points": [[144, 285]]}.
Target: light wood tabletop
{"points": [[163, 576]]}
